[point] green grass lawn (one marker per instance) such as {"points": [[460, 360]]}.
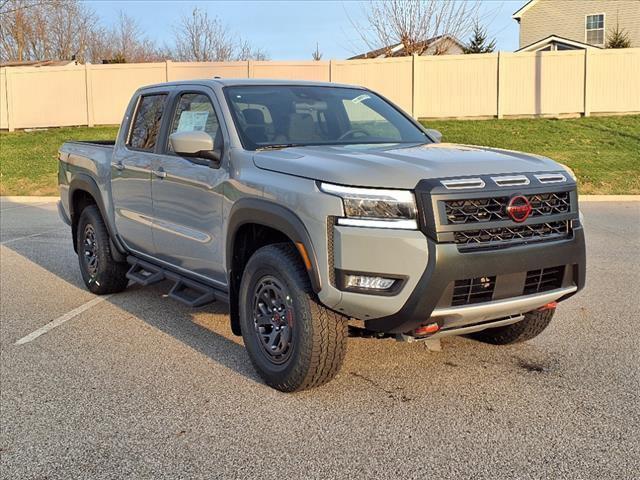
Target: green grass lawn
{"points": [[29, 160], [603, 151]]}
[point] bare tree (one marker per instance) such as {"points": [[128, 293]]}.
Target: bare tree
{"points": [[44, 30], [201, 38], [413, 22], [124, 43], [317, 54]]}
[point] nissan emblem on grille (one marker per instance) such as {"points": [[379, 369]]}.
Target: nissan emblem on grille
{"points": [[519, 208]]}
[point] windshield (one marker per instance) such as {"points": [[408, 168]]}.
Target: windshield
{"points": [[274, 116]]}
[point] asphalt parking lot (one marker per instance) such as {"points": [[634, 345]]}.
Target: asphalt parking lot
{"points": [[139, 386]]}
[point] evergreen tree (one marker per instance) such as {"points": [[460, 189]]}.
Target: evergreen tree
{"points": [[478, 41], [618, 38]]}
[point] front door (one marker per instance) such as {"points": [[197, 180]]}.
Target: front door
{"points": [[131, 174], [187, 194]]}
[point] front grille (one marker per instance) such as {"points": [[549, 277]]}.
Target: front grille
{"points": [[543, 280], [493, 237], [473, 290], [495, 208]]}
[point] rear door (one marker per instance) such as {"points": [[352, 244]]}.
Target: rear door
{"points": [[131, 172], [188, 192]]}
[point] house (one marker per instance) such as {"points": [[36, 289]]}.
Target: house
{"points": [[40, 63], [575, 24], [440, 45]]}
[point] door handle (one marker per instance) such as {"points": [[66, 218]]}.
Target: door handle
{"points": [[118, 166], [159, 173]]}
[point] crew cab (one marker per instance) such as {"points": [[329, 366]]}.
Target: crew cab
{"points": [[317, 211]]}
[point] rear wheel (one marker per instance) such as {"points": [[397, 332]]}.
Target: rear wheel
{"points": [[100, 272], [293, 341], [531, 326]]}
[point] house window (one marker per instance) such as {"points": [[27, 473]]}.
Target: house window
{"points": [[595, 29]]}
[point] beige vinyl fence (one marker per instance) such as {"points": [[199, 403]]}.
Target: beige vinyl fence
{"points": [[499, 85]]}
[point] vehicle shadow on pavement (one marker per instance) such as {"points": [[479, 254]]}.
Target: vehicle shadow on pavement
{"points": [[206, 329]]}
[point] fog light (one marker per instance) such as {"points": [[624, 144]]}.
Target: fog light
{"points": [[372, 283]]}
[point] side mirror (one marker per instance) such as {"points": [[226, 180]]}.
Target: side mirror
{"points": [[196, 145], [434, 134]]}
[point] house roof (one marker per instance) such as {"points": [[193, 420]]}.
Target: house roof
{"points": [[398, 49], [556, 39], [39, 63], [518, 13]]}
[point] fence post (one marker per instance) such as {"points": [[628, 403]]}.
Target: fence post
{"points": [[587, 103], [89, 94], [413, 85], [249, 69], [10, 125], [499, 113], [331, 70], [166, 71]]}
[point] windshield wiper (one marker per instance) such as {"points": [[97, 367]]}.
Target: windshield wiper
{"points": [[278, 146]]}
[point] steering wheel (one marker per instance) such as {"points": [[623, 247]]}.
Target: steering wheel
{"points": [[351, 133]]}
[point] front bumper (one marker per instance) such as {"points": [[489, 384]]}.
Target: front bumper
{"points": [[430, 299]]}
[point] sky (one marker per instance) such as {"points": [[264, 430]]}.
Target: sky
{"points": [[289, 30]]}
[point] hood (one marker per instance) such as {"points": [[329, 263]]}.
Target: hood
{"points": [[394, 166]]}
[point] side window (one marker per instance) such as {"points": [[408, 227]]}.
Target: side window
{"points": [[146, 123], [195, 113]]}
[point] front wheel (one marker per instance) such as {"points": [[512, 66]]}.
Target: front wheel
{"points": [[100, 272], [531, 326], [293, 342]]}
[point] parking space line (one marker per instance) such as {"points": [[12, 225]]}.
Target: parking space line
{"points": [[31, 236], [62, 319]]}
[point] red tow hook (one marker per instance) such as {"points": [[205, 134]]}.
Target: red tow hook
{"points": [[426, 330], [548, 306]]}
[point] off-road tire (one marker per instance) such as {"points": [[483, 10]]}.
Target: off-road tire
{"points": [[318, 335], [107, 275], [531, 326]]}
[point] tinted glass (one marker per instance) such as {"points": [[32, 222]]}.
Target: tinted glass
{"points": [[146, 124], [195, 113], [272, 115]]}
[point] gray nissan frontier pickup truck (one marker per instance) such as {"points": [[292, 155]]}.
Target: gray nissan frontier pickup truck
{"points": [[319, 211]]}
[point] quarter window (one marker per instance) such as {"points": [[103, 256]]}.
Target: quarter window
{"points": [[146, 123], [595, 29], [195, 113]]}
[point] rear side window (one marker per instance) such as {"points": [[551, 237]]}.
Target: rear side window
{"points": [[146, 123]]}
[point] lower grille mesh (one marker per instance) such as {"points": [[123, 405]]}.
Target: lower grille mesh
{"points": [[543, 280], [473, 290]]}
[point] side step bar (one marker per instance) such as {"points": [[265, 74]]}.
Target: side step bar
{"points": [[185, 290]]}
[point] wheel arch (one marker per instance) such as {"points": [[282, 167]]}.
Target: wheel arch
{"points": [[83, 190], [282, 224]]}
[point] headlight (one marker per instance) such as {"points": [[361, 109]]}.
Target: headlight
{"points": [[370, 207]]}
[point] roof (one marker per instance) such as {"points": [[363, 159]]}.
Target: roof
{"points": [[398, 50], [518, 13], [39, 63], [235, 82], [556, 39]]}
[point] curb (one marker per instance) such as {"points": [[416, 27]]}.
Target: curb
{"points": [[27, 199], [609, 198]]}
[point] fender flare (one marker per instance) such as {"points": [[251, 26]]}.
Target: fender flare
{"points": [[83, 182], [269, 214]]}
